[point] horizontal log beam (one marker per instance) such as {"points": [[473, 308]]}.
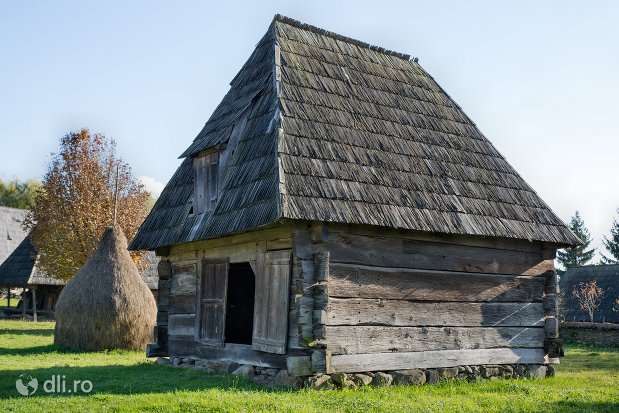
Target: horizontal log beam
{"points": [[181, 324], [404, 284], [379, 339], [183, 283], [182, 304], [186, 346], [403, 253], [469, 240], [362, 311], [433, 359]]}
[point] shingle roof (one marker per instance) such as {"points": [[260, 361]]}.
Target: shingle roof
{"points": [[11, 233], [19, 269], [606, 277], [342, 131]]}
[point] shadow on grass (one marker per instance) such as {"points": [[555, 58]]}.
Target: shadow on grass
{"points": [[582, 406], [39, 350], [43, 332], [136, 379]]}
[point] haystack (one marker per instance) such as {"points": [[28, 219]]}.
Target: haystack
{"points": [[106, 305]]}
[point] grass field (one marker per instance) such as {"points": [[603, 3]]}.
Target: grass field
{"points": [[4, 302], [586, 380]]}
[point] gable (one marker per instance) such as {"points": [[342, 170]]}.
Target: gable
{"points": [[341, 131]]}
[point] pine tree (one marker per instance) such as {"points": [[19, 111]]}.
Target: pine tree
{"points": [[612, 244], [578, 256]]}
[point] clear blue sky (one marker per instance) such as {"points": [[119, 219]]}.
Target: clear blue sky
{"points": [[540, 79]]}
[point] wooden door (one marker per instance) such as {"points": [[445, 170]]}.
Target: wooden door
{"points": [[271, 302], [211, 294]]}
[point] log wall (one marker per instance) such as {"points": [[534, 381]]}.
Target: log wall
{"points": [[382, 300]]}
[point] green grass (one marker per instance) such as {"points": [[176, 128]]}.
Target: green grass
{"points": [[586, 380], [4, 302]]}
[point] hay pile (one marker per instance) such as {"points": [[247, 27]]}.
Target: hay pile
{"points": [[106, 305]]}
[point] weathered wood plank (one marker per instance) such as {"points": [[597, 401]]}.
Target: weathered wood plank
{"points": [[433, 359], [360, 311], [162, 318], [551, 305], [183, 283], [181, 324], [293, 323], [163, 292], [161, 337], [164, 269], [186, 346], [304, 273], [237, 253], [271, 306], [277, 231], [551, 327], [321, 266], [184, 268], [182, 304], [279, 244], [403, 253], [479, 259], [321, 361], [469, 240], [321, 294], [552, 284], [403, 284], [209, 326], [380, 339]]}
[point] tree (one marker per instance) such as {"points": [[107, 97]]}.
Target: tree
{"points": [[17, 194], [578, 256], [561, 305], [589, 296], [612, 244], [77, 204]]}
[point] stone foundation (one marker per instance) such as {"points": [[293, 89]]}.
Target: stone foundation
{"points": [[427, 376], [593, 334], [279, 378]]}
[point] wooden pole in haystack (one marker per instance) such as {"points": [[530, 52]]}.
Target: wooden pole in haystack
{"points": [[34, 304], [115, 197]]}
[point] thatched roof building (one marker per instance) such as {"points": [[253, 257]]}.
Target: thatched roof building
{"points": [[19, 269], [106, 305], [606, 277], [336, 190]]}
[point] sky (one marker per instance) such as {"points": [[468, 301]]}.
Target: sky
{"points": [[538, 78]]}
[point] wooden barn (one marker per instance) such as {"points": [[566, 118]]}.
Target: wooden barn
{"points": [[340, 213]]}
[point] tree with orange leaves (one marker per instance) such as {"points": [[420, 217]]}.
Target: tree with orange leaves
{"points": [[589, 296], [77, 203]]}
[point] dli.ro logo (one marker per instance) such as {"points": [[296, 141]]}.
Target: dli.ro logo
{"points": [[27, 385]]}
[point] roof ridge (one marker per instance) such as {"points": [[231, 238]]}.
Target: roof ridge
{"points": [[318, 30]]}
